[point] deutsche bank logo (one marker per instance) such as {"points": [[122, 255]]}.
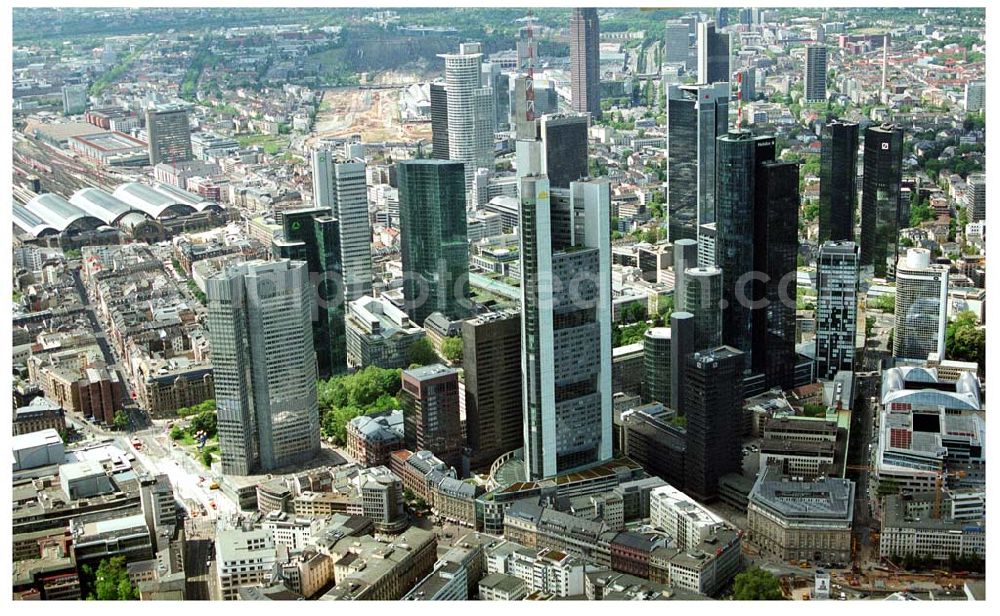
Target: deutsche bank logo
{"points": [[885, 146]]}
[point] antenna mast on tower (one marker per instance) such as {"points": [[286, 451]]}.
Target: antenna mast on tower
{"points": [[529, 84], [739, 100]]}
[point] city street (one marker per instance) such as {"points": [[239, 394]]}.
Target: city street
{"points": [[138, 418], [859, 457], [159, 456], [199, 559]]}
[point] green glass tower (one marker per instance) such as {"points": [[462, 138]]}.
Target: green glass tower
{"points": [[313, 235], [434, 240]]}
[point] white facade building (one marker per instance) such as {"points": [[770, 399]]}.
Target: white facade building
{"points": [[921, 306]]}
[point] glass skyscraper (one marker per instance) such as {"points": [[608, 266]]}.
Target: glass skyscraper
{"points": [[838, 181], [439, 121], [564, 152], [656, 365], [738, 156], [313, 236], [260, 328], [712, 404], [836, 307], [685, 257], [815, 74], [776, 246], [880, 206], [703, 294], [471, 110], [697, 116], [566, 325], [433, 238], [713, 54], [584, 59], [341, 186], [921, 306]]}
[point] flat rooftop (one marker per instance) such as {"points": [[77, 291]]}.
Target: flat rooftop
{"points": [[111, 141], [822, 499], [35, 439]]}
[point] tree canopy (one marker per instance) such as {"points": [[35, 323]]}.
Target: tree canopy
{"points": [[886, 303], [965, 341], [755, 584], [421, 353], [110, 582], [344, 397], [451, 348], [206, 420]]}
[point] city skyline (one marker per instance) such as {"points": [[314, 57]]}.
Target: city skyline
{"points": [[484, 303]]}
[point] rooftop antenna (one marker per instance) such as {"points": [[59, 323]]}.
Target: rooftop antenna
{"points": [[529, 84], [739, 100]]}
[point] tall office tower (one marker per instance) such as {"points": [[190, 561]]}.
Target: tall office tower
{"points": [[501, 95], [439, 121], [692, 20], [431, 421], [260, 328], [564, 148], [721, 17], [685, 257], [837, 279], [656, 354], [776, 247], [486, 125], [585, 61], [682, 344], [491, 357], [838, 181], [697, 116], [499, 85], [750, 17], [342, 187], [74, 98], [676, 42], [713, 54], [748, 84], [713, 392], [168, 133], [490, 72], [706, 245], [739, 154], [313, 236], [470, 112], [565, 250], [703, 297], [921, 306], [527, 47], [975, 197], [434, 238], [975, 96], [880, 205], [815, 74]]}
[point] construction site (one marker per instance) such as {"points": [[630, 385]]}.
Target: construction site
{"points": [[369, 111], [879, 583]]}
